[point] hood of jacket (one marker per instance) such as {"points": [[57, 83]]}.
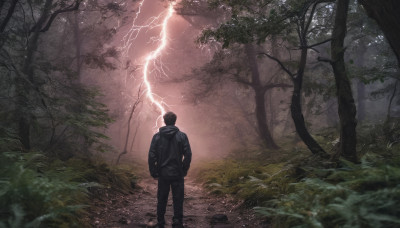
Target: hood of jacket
{"points": [[168, 131]]}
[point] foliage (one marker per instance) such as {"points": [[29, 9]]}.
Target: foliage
{"points": [[51, 118], [353, 196], [77, 116], [30, 197], [253, 177], [37, 191], [257, 20], [380, 139], [46, 99], [304, 192]]}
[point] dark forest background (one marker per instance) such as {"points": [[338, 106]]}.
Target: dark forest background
{"points": [[291, 106]]}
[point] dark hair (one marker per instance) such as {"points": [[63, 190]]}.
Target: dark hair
{"points": [[169, 118]]}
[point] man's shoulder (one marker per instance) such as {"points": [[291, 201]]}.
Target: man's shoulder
{"points": [[182, 134], [156, 135]]}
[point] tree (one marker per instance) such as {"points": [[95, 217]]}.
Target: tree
{"points": [[44, 95], [259, 20], [245, 73], [347, 108], [260, 90], [228, 65], [128, 132]]}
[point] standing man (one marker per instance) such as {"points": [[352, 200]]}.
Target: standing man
{"points": [[169, 162]]}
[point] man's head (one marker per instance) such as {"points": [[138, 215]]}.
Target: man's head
{"points": [[169, 118]]}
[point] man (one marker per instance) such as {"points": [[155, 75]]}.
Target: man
{"points": [[168, 147]]}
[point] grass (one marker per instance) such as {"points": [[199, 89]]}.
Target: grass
{"points": [[292, 189], [37, 191]]}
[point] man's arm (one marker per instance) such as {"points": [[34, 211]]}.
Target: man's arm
{"points": [[187, 155], [153, 158]]}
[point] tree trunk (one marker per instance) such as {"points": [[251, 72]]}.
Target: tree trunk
{"points": [[261, 114], [347, 108], [296, 109], [134, 106], [299, 123], [387, 15], [24, 90]]}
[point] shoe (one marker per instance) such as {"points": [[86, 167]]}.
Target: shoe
{"points": [[177, 224]]}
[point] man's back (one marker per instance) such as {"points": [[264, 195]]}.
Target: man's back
{"points": [[168, 147]]}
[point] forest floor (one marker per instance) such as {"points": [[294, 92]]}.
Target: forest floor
{"points": [[201, 209]]}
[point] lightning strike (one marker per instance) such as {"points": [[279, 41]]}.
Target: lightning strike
{"points": [[153, 55], [127, 41]]}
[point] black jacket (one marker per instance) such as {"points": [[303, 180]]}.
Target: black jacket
{"points": [[168, 147]]}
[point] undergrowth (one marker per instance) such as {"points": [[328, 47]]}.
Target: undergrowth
{"points": [[39, 191], [297, 190]]}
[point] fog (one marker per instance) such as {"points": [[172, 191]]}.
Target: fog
{"points": [[217, 117], [177, 59]]}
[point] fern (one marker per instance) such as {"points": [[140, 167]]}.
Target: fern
{"points": [[297, 194], [356, 196], [32, 198]]}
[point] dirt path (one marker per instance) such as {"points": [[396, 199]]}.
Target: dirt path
{"points": [[200, 209]]}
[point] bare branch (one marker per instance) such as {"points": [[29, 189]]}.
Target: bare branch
{"points": [[312, 46], [53, 16], [319, 43], [134, 106], [134, 135], [280, 64]]}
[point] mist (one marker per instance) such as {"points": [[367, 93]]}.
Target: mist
{"points": [[291, 108], [180, 56], [216, 112]]}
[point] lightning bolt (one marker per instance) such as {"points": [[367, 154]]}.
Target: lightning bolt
{"points": [[153, 55], [154, 22]]}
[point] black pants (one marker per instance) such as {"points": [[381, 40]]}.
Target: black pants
{"points": [[177, 186]]}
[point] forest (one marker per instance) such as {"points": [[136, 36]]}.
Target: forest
{"points": [[291, 107]]}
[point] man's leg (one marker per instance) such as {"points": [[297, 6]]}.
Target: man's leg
{"points": [[177, 197], [162, 199]]}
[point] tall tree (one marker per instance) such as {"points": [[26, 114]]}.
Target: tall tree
{"points": [[259, 20], [24, 89], [260, 92], [35, 63], [226, 66], [347, 108], [245, 73]]}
